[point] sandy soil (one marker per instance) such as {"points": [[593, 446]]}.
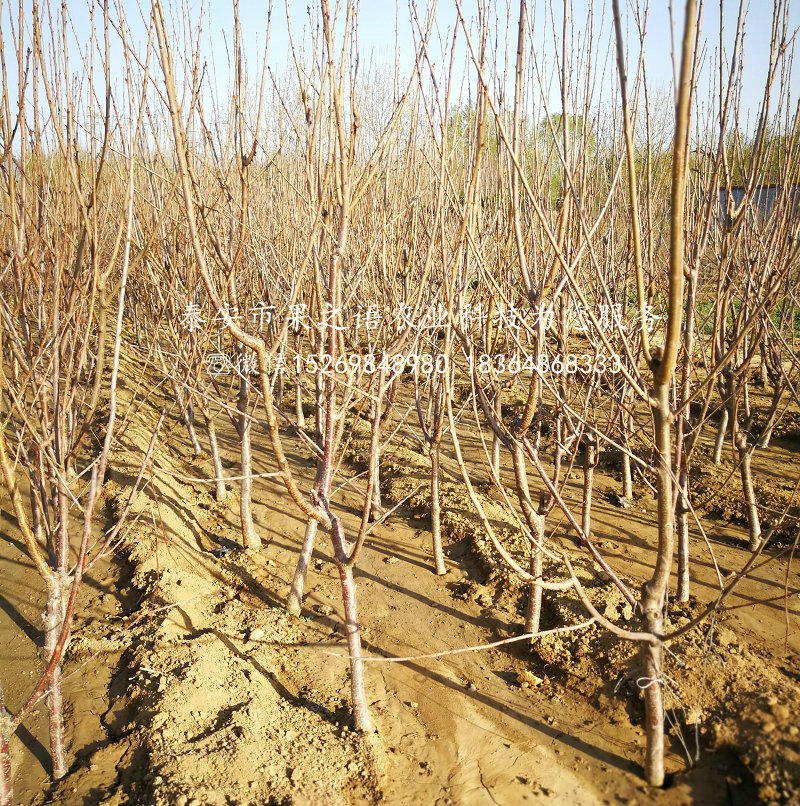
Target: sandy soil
{"points": [[195, 686]]}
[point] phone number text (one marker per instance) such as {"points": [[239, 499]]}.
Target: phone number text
{"points": [[424, 363]]}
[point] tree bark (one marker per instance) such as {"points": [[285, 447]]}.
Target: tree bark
{"points": [[653, 596], [722, 430], [298, 384], [627, 477], [375, 470], [250, 538], [533, 610], [6, 788], [590, 462], [498, 408], [219, 484], [748, 490], [294, 602], [53, 621], [436, 516], [188, 416], [361, 715], [653, 702], [682, 594], [298, 403]]}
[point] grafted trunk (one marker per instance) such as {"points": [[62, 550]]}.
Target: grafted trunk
{"points": [[361, 715], [626, 427], [434, 439], [53, 620], [298, 386], [219, 478], [187, 411], [436, 514], [654, 593], [379, 424], [627, 477], [279, 389], [722, 430], [219, 484], [682, 513], [188, 416], [772, 414], [535, 521], [533, 610], [590, 462], [298, 404], [37, 521], [766, 436], [650, 683], [375, 470], [498, 409], [749, 493], [250, 538], [294, 602]]}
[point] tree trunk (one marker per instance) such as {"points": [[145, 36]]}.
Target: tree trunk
{"points": [[766, 436], [683, 537], [533, 610], [294, 602], [363, 721], [627, 477], [498, 407], [653, 705], [298, 404], [187, 412], [37, 520], [188, 416], [748, 490], [721, 432], [654, 594], [298, 385], [6, 789], [53, 621], [535, 521], [772, 414], [219, 484], [436, 517], [590, 461], [279, 389], [627, 474], [250, 538], [375, 470]]}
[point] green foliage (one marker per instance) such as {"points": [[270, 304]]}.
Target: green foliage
{"points": [[578, 131], [461, 130], [543, 147], [552, 135], [776, 162]]}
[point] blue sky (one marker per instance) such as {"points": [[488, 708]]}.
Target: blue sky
{"points": [[385, 29], [383, 26]]}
